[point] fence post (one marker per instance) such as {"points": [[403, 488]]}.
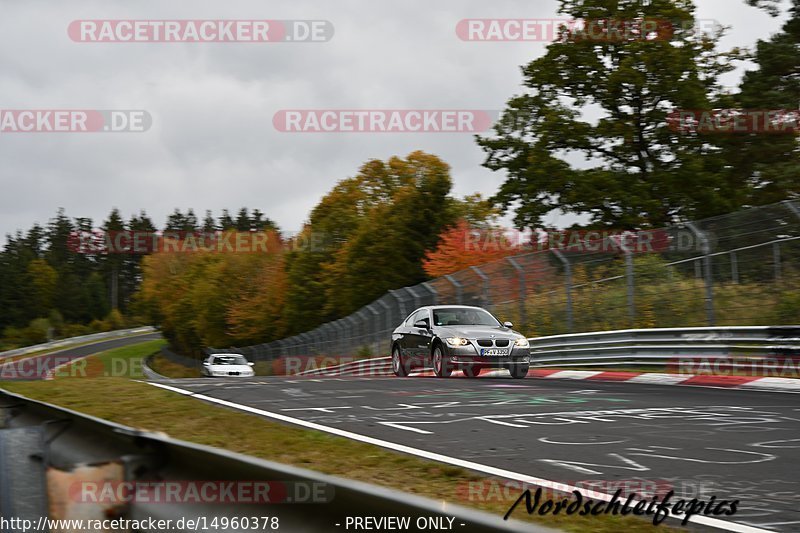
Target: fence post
{"points": [[734, 268], [568, 286], [401, 302], [389, 326], [339, 326], [485, 289], [776, 258], [433, 291], [458, 286], [351, 319], [376, 338], [417, 297], [523, 318], [629, 281], [708, 273]]}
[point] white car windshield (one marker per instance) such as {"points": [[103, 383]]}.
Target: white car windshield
{"points": [[463, 317], [229, 360]]}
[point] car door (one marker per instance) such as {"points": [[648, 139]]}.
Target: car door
{"points": [[403, 331], [419, 338]]}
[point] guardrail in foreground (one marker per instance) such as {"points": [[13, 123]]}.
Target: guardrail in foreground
{"points": [[71, 452]]}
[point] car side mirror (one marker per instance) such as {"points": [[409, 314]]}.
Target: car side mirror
{"points": [[421, 324], [508, 325], [205, 363], [250, 364]]}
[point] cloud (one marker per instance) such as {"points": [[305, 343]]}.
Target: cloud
{"points": [[212, 144]]}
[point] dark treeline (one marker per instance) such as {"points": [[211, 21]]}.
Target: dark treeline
{"points": [[49, 290]]}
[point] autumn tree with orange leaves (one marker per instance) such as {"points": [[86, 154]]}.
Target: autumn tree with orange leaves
{"points": [[463, 246]]}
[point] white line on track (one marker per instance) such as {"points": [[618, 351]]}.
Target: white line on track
{"points": [[486, 469]]}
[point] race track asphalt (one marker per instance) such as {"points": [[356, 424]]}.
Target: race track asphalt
{"points": [[38, 366], [700, 442]]}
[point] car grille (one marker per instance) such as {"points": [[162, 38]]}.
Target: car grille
{"points": [[488, 343]]}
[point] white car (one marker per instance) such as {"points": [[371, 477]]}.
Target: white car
{"points": [[227, 364]]}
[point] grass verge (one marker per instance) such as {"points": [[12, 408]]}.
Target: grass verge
{"points": [[126, 401]]}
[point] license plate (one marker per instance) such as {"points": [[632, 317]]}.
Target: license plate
{"points": [[494, 351]]}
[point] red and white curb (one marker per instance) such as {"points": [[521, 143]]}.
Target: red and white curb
{"points": [[655, 378], [381, 367]]}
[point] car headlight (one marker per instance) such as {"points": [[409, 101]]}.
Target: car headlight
{"points": [[522, 342], [457, 341]]}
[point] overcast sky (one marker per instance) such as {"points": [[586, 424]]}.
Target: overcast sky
{"points": [[212, 144]]}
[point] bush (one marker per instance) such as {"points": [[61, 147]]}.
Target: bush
{"points": [[75, 330], [115, 320], [99, 326], [37, 332], [56, 322]]}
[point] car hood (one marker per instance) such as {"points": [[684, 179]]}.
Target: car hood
{"points": [[477, 332]]}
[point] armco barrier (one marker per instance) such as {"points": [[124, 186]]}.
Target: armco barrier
{"points": [[662, 346], [70, 449], [66, 343], [730, 348]]}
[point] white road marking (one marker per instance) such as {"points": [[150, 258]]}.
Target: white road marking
{"points": [[573, 374], [661, 379], [478, 467], [547, 440], [320, 409]]}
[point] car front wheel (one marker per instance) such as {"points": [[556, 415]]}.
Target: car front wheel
{"points": [[398, 366], [472, 371], [440, 366], [519, 371]]}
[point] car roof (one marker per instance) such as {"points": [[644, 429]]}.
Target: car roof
{"points": [[434, 307]]}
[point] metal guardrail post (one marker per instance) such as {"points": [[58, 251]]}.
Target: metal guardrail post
{"points": [[364, 329], [567, 285], [401, 302], [304, 342], [351, 344], [433, 291], [708, 273], [341, 333], [485, 290], [417, 297], [388, 309], [458, 287], [629, 281], [375, 327], [523, 318]]}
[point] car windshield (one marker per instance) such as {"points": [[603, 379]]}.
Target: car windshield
{"points": [[230, 360], [463, 317]]}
